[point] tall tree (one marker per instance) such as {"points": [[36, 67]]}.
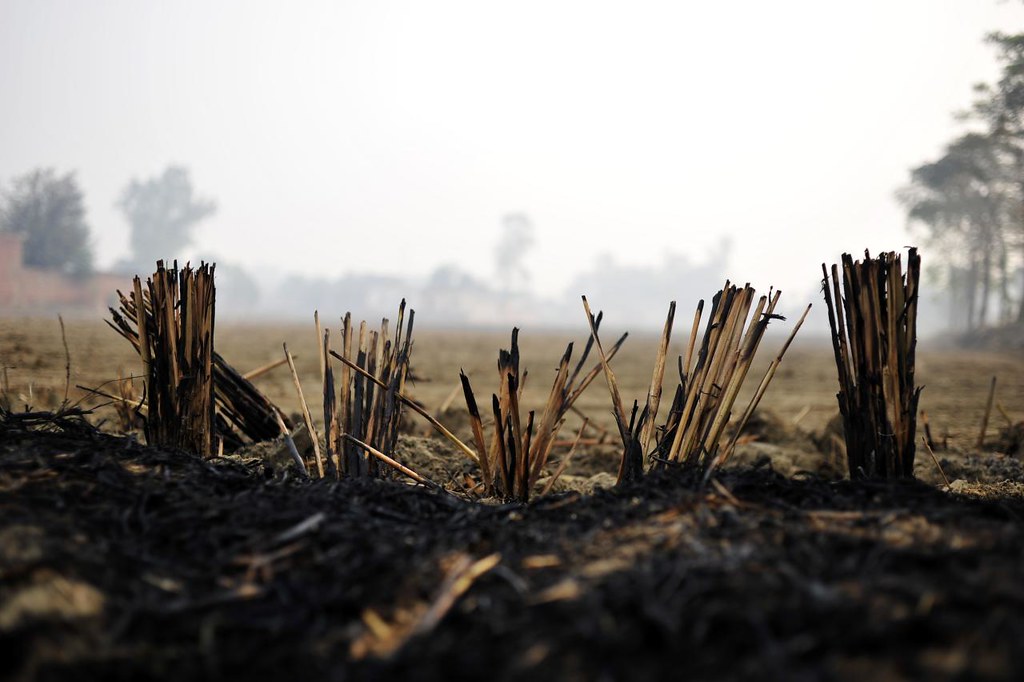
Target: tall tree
{"points": [[965, 200], [49, 211], [162, 213], [1001, 107], [972, 199]]}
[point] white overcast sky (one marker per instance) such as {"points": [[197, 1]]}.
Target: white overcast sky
{"points": [[392, 136]]}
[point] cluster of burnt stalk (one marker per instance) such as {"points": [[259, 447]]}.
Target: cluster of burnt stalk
{"points": [[196, 402]]}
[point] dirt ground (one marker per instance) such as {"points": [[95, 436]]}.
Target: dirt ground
{"points": [[122, 561]]}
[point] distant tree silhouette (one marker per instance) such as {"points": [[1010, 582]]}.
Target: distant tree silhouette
{"points": [[1002, 107], [48, 210], [514, 244], [970, 201], [162, 213]]}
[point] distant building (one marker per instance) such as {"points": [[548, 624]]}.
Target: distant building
{"points": [[27, 290]]}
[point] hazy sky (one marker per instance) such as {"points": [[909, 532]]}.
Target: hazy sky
{"points": [[392, 136]]}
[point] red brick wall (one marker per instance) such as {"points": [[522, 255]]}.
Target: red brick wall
{"points": [[26, 290], [10, 265]]}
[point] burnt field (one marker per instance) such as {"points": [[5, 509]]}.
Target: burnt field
{"points": [[122, 561]]}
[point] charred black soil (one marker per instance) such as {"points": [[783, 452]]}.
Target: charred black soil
{"points": [[119, 561]]}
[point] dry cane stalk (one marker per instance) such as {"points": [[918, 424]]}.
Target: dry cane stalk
{"points": [[460, 578], [260, 371], [935, 460], [344, 406], [874, 338], [409, 402], [478, 433], [373, 375], [67, 360], [595, 370], [565, 460], [401, 468], [448, 400], [761, 388], [175, 341], [291, 445], [331, 434], [613, 385], [551, 420], [739, 364], [693, 379], [654, 394], [631, 463], [305, 413], [516, 458], [988, 412], [602, 432], [239, 402], [708, 385]]}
